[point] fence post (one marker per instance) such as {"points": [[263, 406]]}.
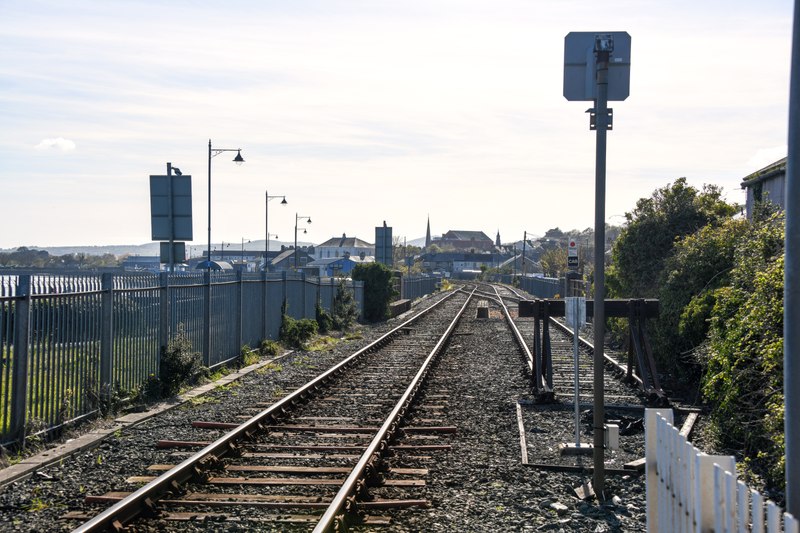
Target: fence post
{"points": [[164, 311], [22, 336], [207, 319], [239, 308], [106, 334], [264, 322], [283, 285]]}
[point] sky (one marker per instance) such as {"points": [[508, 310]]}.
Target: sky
{"points": [[365, 111]]}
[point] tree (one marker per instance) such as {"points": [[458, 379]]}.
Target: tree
{"points": [[378, 289], [554, 261], [672, 212], [701, 264], [344, 308]]}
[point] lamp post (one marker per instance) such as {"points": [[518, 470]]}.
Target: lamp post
{"points": [[214, 152], [267, 198], [298, 218], [248, 241]]}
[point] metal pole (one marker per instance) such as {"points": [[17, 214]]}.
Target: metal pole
{"points": [[295, 241], [266, 227], [171, 220], [524, 241], [601, 117], [207, 295], [208, 258], [576, 315], [791, 285]]}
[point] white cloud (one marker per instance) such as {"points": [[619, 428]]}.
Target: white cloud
{"points": [[766, 156], [59, 143]]}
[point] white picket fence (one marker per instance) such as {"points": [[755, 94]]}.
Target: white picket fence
{"points": [[689, 491]]}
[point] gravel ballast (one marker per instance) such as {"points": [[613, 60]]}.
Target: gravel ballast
{"points": [[479, 485]]}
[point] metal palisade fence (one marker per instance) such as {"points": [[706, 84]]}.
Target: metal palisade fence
{"points": [[689, 491], [413, 287], [68, 340]]}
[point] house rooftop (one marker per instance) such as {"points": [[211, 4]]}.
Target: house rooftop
{"points": [[769, 171]]}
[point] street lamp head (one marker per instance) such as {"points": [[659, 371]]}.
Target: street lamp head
{"points": [[177, 171], [305, 231], [284, 202], [309, 220], [238, 159]]}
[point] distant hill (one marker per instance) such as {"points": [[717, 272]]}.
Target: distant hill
{"points": [[152, 248]]}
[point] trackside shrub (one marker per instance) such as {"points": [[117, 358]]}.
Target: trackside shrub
{"points": [[345, 311], [324, 319], [269, 348], [378, 289], [179, 365], [296, 333]]}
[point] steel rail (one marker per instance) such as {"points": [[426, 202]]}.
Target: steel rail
{"points": [[143, 500], [517, 334], [377, 446], [589, 346]]}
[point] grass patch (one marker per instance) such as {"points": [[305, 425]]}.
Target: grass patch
{"points": [[353, 336], [322, 344], [204, 399], [270, 367]]}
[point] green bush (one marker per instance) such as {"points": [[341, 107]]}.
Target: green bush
{"points": [[324, 319], [744, 377], [378, 289], [179, 365], [269, 348], [296, 333]]}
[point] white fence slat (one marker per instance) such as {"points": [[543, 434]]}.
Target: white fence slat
{"points": [[743, 515], [773, 518], [652, 492], [730, 502], [719, 500], [757, 514], [791, 524]]}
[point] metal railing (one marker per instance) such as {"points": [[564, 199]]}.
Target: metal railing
{"points": [[689, 491], [412, 287], [542, 287], [68, 341]]}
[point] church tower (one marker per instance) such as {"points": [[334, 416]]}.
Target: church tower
{"points": [[428, 233], [497, 240]]}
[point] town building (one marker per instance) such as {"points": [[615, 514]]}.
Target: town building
{"points": [[768, 184], [339, 246]]}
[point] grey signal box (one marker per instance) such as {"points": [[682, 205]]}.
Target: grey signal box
{"points": [[580, 66], [383, 245], [176, 223]]}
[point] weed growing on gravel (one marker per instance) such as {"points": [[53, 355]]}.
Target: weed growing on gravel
{"points": [[36, 504], [278, 392], [249, 356], [322, 344], [353, 336], [228, 386], [270, 367], [99, 460], [304, 361], [201, 400]]}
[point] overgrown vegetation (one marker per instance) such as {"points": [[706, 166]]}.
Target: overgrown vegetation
{"points": [[269, 348], [378, 290], [179, 365], [345, 311], [719, 335], [293, 332]]}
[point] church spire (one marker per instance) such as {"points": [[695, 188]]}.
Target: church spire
{"points": [[497, 240], [428, 233]]}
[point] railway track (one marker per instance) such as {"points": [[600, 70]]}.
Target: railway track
{"points": [[329, 455], [617, 391]]}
